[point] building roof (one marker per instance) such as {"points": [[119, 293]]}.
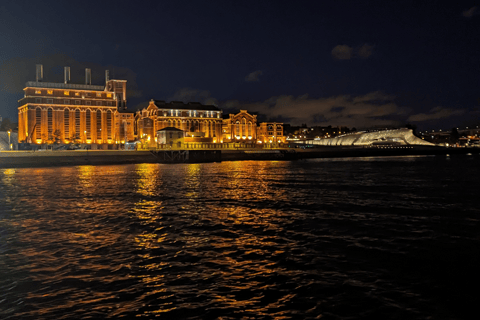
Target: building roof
{"points": [[161, 104], [54, 85], [169, 129]]}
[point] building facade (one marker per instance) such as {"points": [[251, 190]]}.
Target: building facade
{"points": [[195, 119], [74, 113], [240, 127], [270, 132]]}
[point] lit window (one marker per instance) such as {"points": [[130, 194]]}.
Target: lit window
{"points": [[109, 95], [38, 91], [50, 91], [67, 93], [99, 95], [77, 94]]}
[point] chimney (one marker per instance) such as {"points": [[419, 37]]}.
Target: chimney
{"points": [[107, 76], [66, 73], [39, 73], [88, 76]]}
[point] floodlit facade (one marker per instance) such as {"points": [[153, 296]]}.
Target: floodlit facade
{"points": [[170, 137], [387, 137], [270, 132], [74, 113], [196, 120], [240, 127]]}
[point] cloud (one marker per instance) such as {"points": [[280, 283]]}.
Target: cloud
{"points": [[342, 52], [365, 51], [193, 95], [345, 52], [435, 114], [370, 110], [470, 12], [254, 76]]}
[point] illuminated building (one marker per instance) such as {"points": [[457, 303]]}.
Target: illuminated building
{"points": [[170, 137], [240, 127], [384, 137], [201, 123], [270, 132], [80, 113]]}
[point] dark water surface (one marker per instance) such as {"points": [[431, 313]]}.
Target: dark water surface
{"points": [[385, 238]]}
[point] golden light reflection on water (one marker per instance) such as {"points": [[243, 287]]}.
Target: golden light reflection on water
{"points": [[85, 175]]}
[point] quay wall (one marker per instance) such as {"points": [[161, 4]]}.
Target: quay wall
{"points": [[19, 159]]}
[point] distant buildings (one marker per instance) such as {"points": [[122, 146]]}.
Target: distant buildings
{"points": [[97, 115]]}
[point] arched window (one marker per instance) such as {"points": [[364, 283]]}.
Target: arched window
{"points": [[250, 128], [50, 123], [88, 125], [237, 128], [38, 122], [244, 129], [66, 123]]}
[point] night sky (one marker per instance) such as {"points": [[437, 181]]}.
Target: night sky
{"points": [[351, 63]]}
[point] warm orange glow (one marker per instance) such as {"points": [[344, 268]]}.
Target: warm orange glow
{"points": [[50, 91], [67, 93], [38, 92]]}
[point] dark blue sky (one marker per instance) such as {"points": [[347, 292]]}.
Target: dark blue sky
{"points": [[354, 63]]}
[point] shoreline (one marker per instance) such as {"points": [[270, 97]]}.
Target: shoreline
{"points": [[27, 159]]}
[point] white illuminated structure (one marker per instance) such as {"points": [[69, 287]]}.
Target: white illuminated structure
{"points": [[385, 137]]}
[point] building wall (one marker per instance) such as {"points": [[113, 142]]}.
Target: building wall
{"points": [[270, 132], [189, 118], [240, 127], [47, 114]]}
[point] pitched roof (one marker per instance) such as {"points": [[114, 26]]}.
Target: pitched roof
{"points": [[169, 129]]}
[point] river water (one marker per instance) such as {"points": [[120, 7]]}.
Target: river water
{"points": [[365, 238]]}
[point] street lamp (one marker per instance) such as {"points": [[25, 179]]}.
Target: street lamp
{"points": [[9, 145]]}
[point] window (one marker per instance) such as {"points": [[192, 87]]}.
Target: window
{"points": [[67, 93], [109, 95], [99, 124], [110, 103], [66, 123], [77, 124], [99, 103], [50, 91], [109, 124], [88, 103], [50, 123], [77, 94], [38, 122], [66, 101], [88, 125], [38, 100], [99, 95], [38, 91], [77, 101], [171, 135]]}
